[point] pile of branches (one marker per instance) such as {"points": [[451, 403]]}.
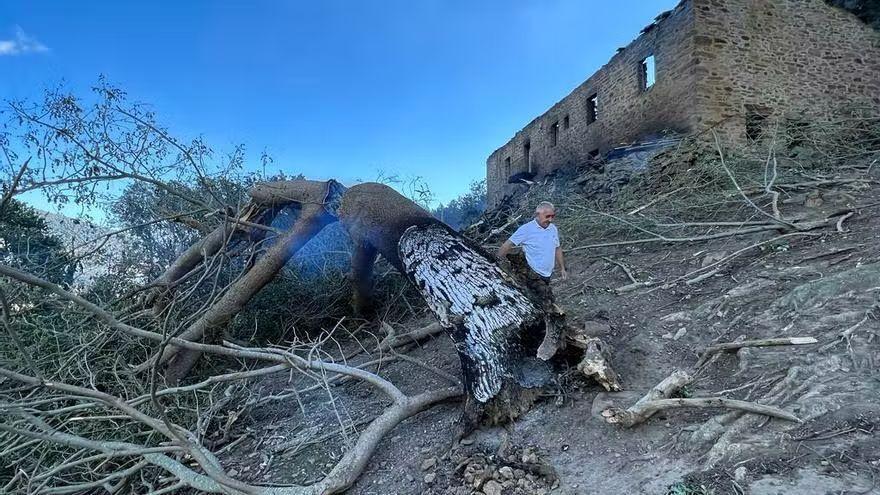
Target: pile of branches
{"points": [[77, 418]]}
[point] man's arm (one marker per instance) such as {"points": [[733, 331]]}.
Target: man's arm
{"points": [[518, 237], [560, 261], [504, 249]]}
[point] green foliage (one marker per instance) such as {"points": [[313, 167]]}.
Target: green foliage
{"points": [[465, 209], [27, 244], [682, 488], [112, 157], [685, 392]]}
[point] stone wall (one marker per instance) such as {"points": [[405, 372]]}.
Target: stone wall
{"points": [[719, 65], [626, 112], [780, 57]]}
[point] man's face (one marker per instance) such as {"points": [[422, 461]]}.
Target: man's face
{"points": [[545, 217]]}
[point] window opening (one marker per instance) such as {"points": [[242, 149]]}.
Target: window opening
{"points": [[592, 108], [649, 72]]}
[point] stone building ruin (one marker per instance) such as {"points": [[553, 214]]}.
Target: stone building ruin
{"points": [[721, 64]]}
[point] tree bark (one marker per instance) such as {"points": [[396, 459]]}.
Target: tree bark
{"points": [[312, 219], [222, 237], [481, 307]]}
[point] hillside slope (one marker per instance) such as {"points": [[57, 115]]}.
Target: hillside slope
{"points": [[661, 267]]}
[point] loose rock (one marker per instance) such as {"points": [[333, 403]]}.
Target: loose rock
{"points": [[492, 487], [429, 463]]}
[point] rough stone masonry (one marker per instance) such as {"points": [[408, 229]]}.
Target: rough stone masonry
{"points": [[722, 64]]}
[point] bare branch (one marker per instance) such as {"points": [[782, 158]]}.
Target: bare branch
{"points": [[13, 185], [739, 189]]}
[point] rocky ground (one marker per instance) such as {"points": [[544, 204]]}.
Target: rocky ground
{"points": [[822, 284]]}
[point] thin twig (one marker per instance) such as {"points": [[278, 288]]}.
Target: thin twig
{"points": [[623, 267], [843, 219]]}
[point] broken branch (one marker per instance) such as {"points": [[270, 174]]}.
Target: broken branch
{"points": [[733, 346], [596, 365]]}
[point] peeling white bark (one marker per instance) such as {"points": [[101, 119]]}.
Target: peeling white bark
{"points": [[480, 306]]}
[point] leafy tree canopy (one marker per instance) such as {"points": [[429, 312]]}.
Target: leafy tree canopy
{"points": [[27, 244]]}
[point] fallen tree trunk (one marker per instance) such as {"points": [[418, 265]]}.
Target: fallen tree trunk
{"points": [[483, 309], [208, 246], [229, 233]]}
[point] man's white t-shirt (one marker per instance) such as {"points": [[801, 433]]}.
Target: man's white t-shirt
{"points": [[539, 245]]}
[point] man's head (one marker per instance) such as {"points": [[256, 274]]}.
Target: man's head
{"points": [[545, 213]]}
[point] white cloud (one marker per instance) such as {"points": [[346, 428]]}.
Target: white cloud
{"points": [[22, 44]]}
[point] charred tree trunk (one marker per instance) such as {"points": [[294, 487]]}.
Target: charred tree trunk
{"points": [[484, 311]]}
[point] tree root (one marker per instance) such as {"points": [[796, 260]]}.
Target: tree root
{"points": [[660, 391], [658, 398], [639, 413]]}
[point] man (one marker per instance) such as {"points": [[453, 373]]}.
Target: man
{"points": [[540, 243]]}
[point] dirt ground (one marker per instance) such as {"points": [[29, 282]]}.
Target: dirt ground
{"points": [[824, 286]]}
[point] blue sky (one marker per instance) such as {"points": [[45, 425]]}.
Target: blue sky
{"points": [[329, 88]]}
